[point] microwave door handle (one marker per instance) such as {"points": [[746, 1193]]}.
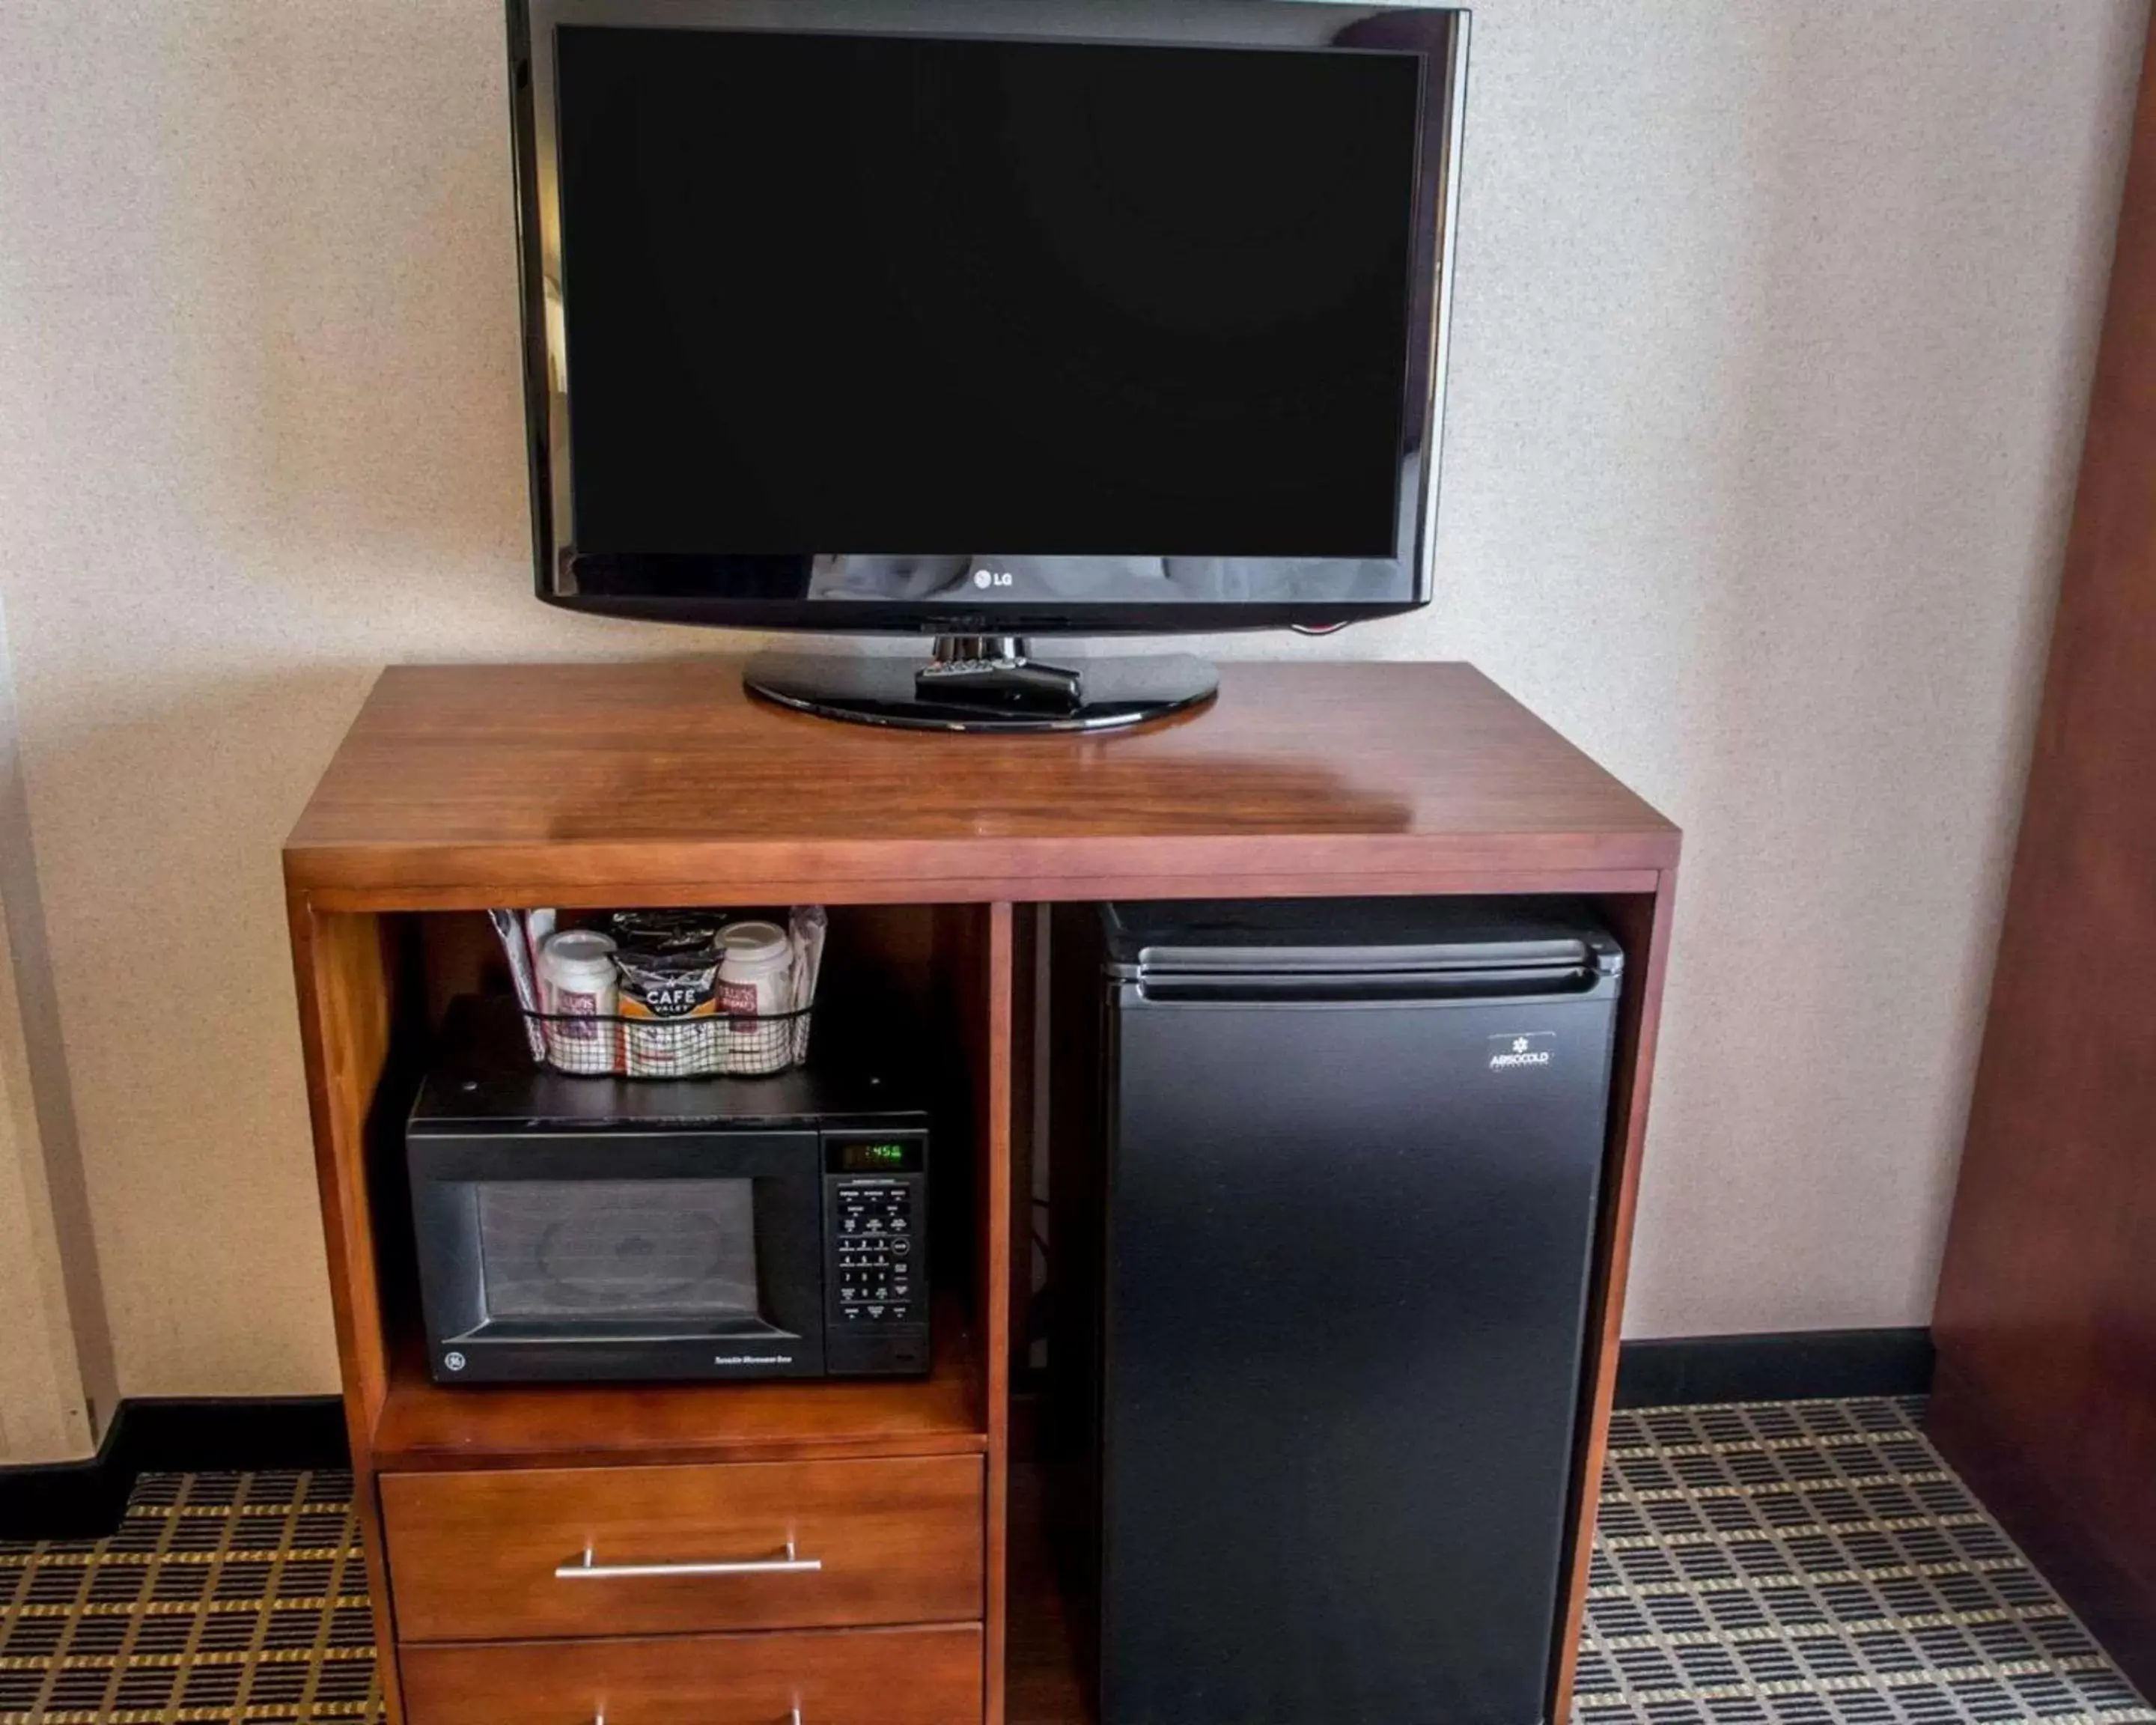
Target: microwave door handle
{"points": [[588, 1568]]}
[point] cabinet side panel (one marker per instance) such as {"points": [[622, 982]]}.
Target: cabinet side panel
{"points": [[1642, 925], [345, 983]]}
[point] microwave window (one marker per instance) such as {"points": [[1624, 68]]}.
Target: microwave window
{"points": [[551, 1249]]}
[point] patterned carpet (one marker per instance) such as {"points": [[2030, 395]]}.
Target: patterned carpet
{"points": [[222, 1597], [1817, 1564], [1791, 1563]]}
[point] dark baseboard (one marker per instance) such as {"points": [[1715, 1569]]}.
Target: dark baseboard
{"points": [[1795, 1366], [85, 1500]]}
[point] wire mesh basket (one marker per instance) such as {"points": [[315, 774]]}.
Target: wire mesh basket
{"points": [[700, 1045], [699, 991]]}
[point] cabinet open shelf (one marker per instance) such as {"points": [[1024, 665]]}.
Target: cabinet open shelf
{"points": [[424, 1426]]}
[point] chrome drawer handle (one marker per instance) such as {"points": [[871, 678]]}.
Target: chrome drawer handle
{"points": [[791, 1718], [589, 1568]]}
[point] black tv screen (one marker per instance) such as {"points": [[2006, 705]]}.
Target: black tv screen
{"points": [[859, 326]]}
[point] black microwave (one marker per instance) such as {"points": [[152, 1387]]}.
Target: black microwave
{"points": [[570, 1229]]}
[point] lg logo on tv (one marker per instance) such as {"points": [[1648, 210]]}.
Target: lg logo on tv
{"points": [[992, 577]]}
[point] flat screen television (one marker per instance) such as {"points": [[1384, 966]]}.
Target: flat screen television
{"points": [[985, 319]]}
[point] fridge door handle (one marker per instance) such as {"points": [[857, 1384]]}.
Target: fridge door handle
{"points": [[1303, 991]]}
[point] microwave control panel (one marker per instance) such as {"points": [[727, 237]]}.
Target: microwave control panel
{"points": [[875, 1271]]}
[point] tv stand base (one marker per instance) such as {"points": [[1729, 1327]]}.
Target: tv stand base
{"points": [[984, 683]]}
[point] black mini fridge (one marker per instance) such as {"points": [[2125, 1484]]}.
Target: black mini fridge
{"points": [[1334, 1168]]}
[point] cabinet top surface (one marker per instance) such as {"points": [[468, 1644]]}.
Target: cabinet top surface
{"points": [[474, 785]]}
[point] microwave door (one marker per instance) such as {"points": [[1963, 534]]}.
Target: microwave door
{"points": [[632, 1256]]}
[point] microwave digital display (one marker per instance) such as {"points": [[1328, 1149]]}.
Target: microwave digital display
{"points": [[875, 1156]]}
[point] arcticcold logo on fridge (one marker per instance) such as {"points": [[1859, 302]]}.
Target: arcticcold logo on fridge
{"points": [[1526, 1049]]}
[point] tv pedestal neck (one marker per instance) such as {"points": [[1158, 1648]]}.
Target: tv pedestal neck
{"points": [[984, 683]]}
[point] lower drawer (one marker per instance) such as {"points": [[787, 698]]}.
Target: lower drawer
{"points": [[899, 1677]]}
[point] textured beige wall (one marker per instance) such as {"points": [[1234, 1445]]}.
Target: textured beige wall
{"points": [[1773, 331], [42, 1415], [48, 1258]]}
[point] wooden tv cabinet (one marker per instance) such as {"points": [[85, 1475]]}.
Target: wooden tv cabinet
{"points": [[458, 790]]}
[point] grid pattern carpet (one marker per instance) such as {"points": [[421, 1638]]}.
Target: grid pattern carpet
{"points": [[1817, 1564], [222, 1596]]}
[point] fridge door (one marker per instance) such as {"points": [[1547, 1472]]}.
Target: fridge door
{"points": [[1345, 1269]]}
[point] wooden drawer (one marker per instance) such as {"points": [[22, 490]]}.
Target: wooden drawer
{"points": [[896, 1676], [480, 1555]]}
